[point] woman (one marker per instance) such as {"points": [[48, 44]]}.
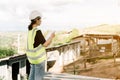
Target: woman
{"points": [[36, 53]]}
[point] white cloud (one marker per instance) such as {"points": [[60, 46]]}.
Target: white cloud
{"points": [[60, 13]]}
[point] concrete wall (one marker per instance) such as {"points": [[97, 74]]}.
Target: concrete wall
{"points": [[4, 72], [13, 68], [17, 67]]}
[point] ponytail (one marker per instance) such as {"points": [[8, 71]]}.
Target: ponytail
{"points": [[31, 24]]}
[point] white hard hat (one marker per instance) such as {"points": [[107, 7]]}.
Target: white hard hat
{"points": [[34, 14]]}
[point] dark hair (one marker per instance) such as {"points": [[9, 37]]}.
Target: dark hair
{"points": [[31, 24]]}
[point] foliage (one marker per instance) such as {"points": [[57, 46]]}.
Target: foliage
{"points": [[74, 33], [4, 52], [64, 37], [1, 78]]}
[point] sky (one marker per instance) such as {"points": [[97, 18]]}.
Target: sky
{"points": [[58, 14]]}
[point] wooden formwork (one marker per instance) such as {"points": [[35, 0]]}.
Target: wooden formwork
{"points": [[94, 50]]}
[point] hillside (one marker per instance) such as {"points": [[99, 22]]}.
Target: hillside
{"points": [[10, 39], [103, 28], [17, 40], [12, 43]]}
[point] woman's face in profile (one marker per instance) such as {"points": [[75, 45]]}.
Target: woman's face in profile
{"points": [[38, 21]]}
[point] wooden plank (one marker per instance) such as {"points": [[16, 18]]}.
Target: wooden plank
{"points": [[64, 76]]}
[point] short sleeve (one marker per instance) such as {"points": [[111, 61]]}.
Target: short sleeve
{"points": [[39, 39]]}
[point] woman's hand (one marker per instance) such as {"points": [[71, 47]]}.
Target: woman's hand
{"points": [[49, 40], [53, 35]]}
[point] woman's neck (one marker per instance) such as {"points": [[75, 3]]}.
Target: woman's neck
{"points": [[34, 26]]}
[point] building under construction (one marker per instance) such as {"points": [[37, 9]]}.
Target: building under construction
{"points": [[79, 51]]}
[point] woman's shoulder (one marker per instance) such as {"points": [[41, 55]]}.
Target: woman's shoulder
{"points": [[38, 31]]}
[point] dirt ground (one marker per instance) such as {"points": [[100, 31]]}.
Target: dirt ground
{"points": [[104, 68]]}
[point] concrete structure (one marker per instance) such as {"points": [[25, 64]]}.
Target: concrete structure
{"points": [[17, 67], [13, 68]]}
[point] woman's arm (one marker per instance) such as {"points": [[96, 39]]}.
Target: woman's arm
{"points": [[49, 40]]}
